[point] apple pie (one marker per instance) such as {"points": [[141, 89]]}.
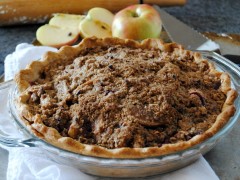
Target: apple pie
{"points": [[120, 98]]}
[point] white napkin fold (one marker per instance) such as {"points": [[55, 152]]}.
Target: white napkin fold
{"points": [[31, 163], [21, 57]]}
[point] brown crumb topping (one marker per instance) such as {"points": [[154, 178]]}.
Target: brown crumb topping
{"points": [[123, 97]]}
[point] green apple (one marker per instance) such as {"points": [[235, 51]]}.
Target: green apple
{"points": [[55, 36], [137, 22], [98, 22]]}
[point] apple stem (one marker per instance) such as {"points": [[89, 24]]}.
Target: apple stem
{"points": [[134, 14]]}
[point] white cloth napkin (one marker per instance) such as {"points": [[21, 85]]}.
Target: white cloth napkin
{"points": [[31, 163]]}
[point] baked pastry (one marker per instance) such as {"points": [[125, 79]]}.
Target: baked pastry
{"points": [[120, 98]]}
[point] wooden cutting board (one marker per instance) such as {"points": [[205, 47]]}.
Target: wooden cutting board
{"points": [[229, 43], [38, 11]]}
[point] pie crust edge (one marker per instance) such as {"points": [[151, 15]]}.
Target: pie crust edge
{"points": [[24, 78]]}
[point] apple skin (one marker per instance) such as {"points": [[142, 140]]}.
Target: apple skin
{"points": [[137, 22]]}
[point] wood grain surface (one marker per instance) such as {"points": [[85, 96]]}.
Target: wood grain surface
{"points": [[38, 11]]}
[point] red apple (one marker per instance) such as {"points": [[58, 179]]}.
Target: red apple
{"points": [[137, 22]]}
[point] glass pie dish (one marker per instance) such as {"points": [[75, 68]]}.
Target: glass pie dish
{"points": [[122, 167]]}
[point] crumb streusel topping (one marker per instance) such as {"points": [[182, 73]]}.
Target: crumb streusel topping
{"points": [[125, 97]]}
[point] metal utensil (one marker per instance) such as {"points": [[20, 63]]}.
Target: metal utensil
{"points": [[183, 34], [2, 77]]}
